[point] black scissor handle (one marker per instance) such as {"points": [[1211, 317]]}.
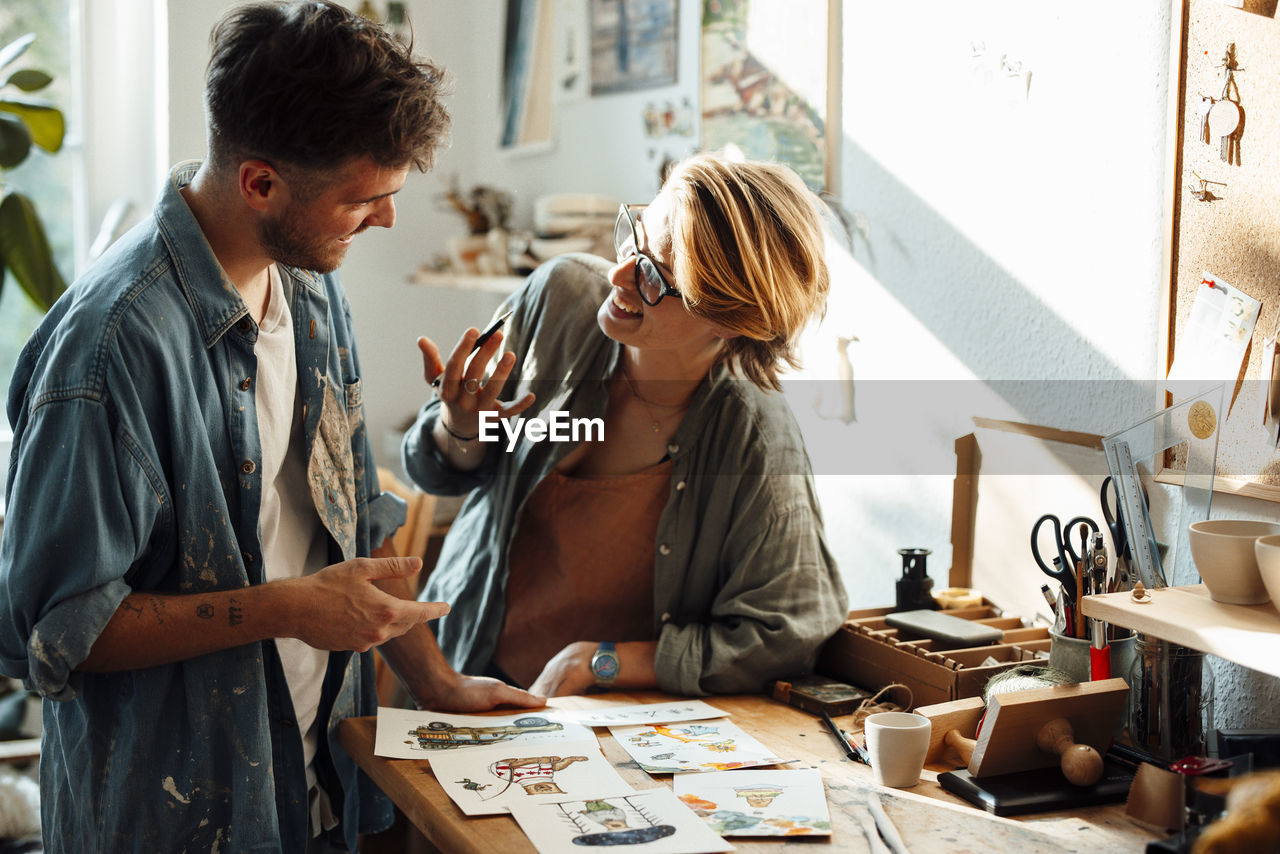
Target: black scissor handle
{"points": [[1061, 571], [1072, 526], [1115, 522]]}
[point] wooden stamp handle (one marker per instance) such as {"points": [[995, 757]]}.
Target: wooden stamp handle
{"points": [[1081, 764], [961, 745]]}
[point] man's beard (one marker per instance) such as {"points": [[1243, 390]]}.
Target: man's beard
{"points": [[286, 240]]}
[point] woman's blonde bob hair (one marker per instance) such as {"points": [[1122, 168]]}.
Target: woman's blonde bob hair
{"points": [[749, 256]]}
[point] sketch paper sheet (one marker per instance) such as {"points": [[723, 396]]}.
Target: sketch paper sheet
{"points": [[647, 713], [709, 745], [1212, 344], [758, 803], [490, 780], [650, 821], [411, 734]]}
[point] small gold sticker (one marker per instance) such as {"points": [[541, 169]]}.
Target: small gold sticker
{"points": [[1202, 420]]}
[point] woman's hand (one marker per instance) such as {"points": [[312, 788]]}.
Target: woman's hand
{"points": [[463, 391], [569, 672]]}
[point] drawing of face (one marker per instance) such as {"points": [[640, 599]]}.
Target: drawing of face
{"points": [[606, 815], [759, 796]]}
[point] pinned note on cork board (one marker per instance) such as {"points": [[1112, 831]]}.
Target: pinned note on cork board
{"points": [[1222, 220]]}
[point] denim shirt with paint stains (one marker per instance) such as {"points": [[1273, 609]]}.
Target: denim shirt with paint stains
{"points": [[135, 467]]}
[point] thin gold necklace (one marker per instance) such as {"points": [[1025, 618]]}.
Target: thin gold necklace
{"points": [[655, 422]]}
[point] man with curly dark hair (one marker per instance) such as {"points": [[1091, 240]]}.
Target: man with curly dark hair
{"points": [[186, 571]]}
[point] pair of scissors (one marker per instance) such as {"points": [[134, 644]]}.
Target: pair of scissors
{"points": [[1121, 532], [1109, 495], [1067, 559]]}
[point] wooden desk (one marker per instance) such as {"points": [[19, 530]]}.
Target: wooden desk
{"points": [[929, 818]]}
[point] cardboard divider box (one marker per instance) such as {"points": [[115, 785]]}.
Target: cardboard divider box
{"points": [[867, 652]]}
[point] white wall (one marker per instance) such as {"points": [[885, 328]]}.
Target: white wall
{"points": [[1008, 261]]}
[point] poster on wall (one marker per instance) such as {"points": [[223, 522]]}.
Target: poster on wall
{"points": [[528, 69], [572, 51], [764, 82], [633, 44]]}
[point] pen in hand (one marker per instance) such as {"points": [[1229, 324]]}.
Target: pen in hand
{"points": [[484, 336], [851, 749]]}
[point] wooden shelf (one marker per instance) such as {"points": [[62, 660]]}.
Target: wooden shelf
{"points": [[1246, 634], [20, 750], [489, 284]]}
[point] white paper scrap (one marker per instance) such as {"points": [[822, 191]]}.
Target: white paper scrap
{"points": [[1212, 343], [645, 713]]}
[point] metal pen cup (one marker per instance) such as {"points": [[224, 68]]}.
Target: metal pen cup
{"points": [[1171, 696]]}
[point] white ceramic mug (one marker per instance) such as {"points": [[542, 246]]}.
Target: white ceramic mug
{"points": [[897, 743]]}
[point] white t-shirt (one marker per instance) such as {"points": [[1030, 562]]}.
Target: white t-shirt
{"points": [[293, 538]]}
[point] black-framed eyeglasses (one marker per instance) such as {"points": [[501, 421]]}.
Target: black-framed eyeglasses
{"points": [[650, 283]]}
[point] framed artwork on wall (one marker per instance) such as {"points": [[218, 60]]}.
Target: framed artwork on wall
{"points": [[769, 82], [633, 44], [528, 67]]}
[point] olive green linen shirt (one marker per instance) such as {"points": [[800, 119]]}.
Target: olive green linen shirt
{"points": [[745, 589]]}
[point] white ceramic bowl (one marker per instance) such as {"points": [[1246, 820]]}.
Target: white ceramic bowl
{"points": [[1223, 553], [1267, 551]]}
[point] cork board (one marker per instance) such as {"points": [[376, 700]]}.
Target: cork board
{"points": [[1235, 233]]}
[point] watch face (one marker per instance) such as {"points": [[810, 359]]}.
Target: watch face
{"points": [[605, 666]]}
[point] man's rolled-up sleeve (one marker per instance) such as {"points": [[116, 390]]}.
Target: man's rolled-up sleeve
{"points": [[81, 509]]}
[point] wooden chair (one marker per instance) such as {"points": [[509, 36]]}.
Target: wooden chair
{"points": [[410, 540], [413, 536]]}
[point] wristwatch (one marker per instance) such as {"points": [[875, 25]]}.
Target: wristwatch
{"points": [[604, 664]]}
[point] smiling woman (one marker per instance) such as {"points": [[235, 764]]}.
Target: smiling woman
{"points": [[682, 549]]}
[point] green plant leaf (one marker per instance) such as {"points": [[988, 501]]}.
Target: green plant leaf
{"points": [[15, 141], [45, 122], [25, 250], [28, 80], [15, 49]]}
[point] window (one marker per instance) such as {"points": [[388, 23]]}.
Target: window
{"points": [[45, 178], [109, 63]]}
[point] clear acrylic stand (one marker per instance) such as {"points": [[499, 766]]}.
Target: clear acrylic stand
{"points": [[1193, 422]]}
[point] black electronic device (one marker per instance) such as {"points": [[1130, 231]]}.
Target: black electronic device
{"points": [[949, 630], [1263, 744]]}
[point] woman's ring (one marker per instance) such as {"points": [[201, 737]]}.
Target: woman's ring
{"points": [[472, 385]]}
